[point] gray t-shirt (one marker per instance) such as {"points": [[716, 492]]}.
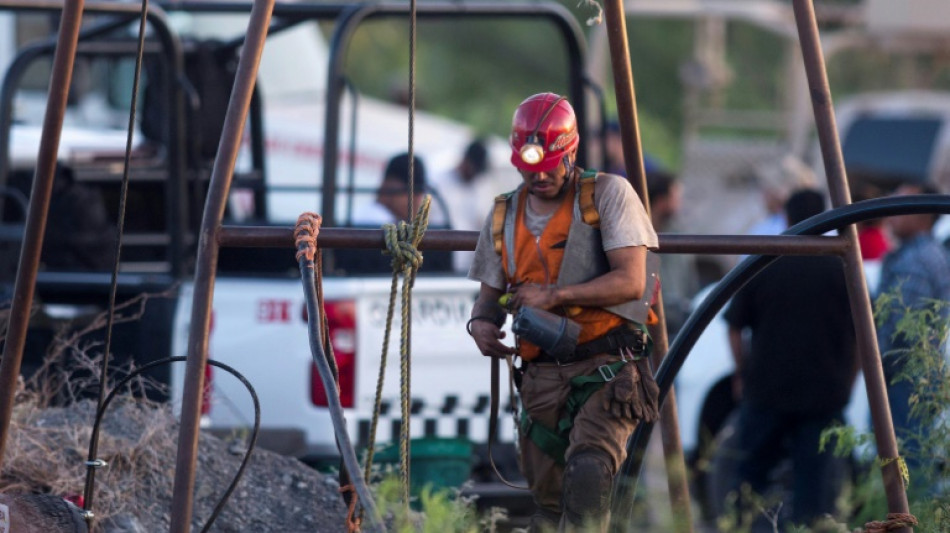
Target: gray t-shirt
{"points": [[623, 222]]}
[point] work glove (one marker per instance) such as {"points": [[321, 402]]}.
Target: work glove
{"points": [[633, 393]]}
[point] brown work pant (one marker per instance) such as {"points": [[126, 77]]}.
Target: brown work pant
{"points": [[544, 391]]}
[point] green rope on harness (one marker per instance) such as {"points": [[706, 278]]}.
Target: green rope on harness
{"points": [[402, 241]]}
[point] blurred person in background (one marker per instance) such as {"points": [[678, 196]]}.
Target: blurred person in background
{"points": [[613, 152], [794, 379], [466, 192], [918, 271], [678, 274], [777, 181], [390, 206]]}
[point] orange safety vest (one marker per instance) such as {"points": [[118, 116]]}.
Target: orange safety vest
{"points": [[538, 260]]}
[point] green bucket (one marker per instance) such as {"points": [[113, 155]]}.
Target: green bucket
{"points": [[437, 462]]}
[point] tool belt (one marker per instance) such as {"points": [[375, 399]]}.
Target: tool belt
{"points": [[623, 336]]}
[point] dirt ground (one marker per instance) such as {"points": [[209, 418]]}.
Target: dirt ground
{"points": [[48, 447]]}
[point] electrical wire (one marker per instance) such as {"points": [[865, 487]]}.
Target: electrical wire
{"points": [[252, 442]]}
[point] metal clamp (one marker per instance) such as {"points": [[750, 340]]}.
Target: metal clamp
{"points": [[97, 463]]}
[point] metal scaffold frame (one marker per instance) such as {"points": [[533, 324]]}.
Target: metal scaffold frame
{"points": [[213, 235]]}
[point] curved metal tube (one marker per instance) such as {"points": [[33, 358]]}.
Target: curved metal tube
{"points": [[746, 270]]}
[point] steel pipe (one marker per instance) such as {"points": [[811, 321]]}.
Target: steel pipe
{"points": [[207, 260], [633, 160], [42, 190], [863, 316], [670, 243]]}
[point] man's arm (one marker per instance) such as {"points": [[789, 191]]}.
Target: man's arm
{"points": [[625, 281], [483, 326]]}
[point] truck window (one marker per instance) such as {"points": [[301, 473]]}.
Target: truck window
{"points": [[891, 148]]}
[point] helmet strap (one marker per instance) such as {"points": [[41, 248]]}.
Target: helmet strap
{"points": [[568, 174]]}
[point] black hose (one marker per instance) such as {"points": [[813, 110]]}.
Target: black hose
{"points": [[739, 276], [250, 445], [333, 394]]}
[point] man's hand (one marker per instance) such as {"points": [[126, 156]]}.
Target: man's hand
{"points": [[485, 329], [488, 339], [537, 296]]}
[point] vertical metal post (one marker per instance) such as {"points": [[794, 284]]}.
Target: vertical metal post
{"points": [[868, 352], [633, 160], [207, 261], [42, 190]]}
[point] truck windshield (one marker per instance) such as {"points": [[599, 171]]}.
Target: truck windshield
{"points": [[891, 146]]}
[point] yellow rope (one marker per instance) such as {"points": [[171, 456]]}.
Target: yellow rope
{"points": [[402, 241], [901, 467]]}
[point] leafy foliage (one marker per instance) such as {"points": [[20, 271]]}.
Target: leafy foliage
{"points": [[926, 366]]}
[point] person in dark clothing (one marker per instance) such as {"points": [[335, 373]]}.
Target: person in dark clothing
{"points": [[796, 379]]}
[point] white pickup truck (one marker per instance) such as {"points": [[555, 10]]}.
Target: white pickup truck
{"points": [[259, 323], [260, 328]]}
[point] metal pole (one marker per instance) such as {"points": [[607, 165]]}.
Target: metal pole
{"points": [[207, 260], [454, 240], [42, 190], [854, 273], [633, 160]]}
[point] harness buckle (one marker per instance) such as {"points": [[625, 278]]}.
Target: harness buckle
{"points": [[606, 372]]}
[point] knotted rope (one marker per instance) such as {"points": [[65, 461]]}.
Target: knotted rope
{"points": [[894, 522], [305, 235], [402, 241]]}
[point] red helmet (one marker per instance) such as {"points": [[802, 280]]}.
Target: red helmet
{"points": [[543, 131]]}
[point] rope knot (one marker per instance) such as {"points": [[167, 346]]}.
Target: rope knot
{"points": [[402, 239], [305, 235], [894, 522]]}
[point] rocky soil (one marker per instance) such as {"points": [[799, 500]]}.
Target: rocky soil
{"points": [[47, 449]]}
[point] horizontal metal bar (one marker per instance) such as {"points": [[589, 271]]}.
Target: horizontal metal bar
{"points": [[675, 243], [277, 237]]}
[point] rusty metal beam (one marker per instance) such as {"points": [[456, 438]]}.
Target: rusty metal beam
{"points": [[866, 338], [670, 243], [42, 190], [633, 160], [207, 260]]}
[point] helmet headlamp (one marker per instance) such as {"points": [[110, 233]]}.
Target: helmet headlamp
{"points": [[532, 153]]}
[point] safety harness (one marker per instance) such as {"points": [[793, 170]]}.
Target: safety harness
{"points": [[588, 208], [554, 442]]}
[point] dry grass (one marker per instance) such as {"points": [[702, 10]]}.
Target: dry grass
{"points": [[48, 445]]}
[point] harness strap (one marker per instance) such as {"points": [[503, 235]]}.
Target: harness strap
{"points": [[498, 220], [546, 439], [589, 213], [555, 442], [582, 388]]}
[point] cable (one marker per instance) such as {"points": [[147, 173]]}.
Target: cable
{"points": [[333, 394], [91, 465], [114, 285]]}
